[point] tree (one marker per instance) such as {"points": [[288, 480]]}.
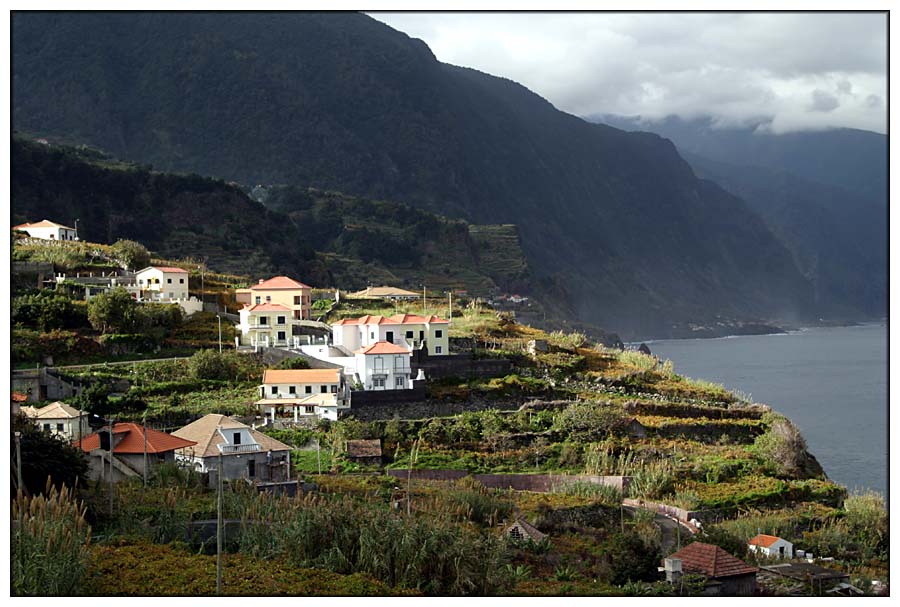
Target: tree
{"points": [[47, 310], [209, 364], [293, 363], [113, 312], [628, 558], [45, 455], [130, 254]]}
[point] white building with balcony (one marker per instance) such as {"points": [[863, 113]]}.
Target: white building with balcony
{"points": [[384, 366], [302, 394], [246, 453], [267, 325], [406, 330], [162, 283]]}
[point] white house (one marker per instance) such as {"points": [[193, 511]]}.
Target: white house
{"points": [[60, 419], [302, 393], [384, 366], [162, 283], [48, 230], [246, 453], [267, 325], [407, 330], [771, 546]]}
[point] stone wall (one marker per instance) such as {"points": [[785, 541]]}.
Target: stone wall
{"points": [[424, 408], [459, 365], [541, 483], [360, 399]]}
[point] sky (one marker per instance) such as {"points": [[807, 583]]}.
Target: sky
{"points": [[788, 71]]}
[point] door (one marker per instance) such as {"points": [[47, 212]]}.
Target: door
{"points": [[390, 336]]}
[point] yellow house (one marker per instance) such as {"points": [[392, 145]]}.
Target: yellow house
{"points": [[267, 325], [280, 290]]}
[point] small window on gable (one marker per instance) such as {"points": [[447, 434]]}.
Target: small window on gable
{"points": [[236, 438]]}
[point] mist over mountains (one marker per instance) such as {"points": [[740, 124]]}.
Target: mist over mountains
{"points": [[617, 224]]}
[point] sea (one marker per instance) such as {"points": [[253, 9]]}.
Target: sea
{"points": [[831, 382]]}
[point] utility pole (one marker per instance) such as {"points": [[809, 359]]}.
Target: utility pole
{"points": [[19, 461], [424, 304], [451, 308], [219, 318], [145, 447], [111, 421], [318, 456], [219, 528]]}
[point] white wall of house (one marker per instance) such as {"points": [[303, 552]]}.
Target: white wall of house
{"points": [[169, 285], [354, 337], [327, 354], [267, 328], [298, 390], [384, 371], [66, 427], [51, 233], [781, 549]]}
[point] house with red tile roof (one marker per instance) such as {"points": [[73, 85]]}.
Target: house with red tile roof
{"points": [[384, 366], [303, 394], [282, 290], [771, 546], [725, 574], [48, 230], [410, 331], [132, 446]]}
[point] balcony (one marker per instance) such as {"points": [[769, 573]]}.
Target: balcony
{"points": [[237, 449]]}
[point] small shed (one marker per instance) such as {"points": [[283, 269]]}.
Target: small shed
{"points": [[771, 546], [818, 578], [366, 452], [522, 530], [634, 428], [729, 575]]}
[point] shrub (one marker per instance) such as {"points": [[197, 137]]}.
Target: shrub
{"points": [[293, 363], [209, 364], [45, 456], [47, 310], [782, 447], [605, 494], [628, 558], [586, 421], [49, 543], [130, 254]]}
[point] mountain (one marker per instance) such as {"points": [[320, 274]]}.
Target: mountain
{"points": [[615, 223], [824, 194], [850, 159]]}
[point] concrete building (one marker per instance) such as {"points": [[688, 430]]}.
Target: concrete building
{"points": [[281, 290], [60, 419], [268, 325], [246, 453], [133, 444], [162, 283], [303, 394], [48, 230], [771, 546], [384, 366], [410, 331]]}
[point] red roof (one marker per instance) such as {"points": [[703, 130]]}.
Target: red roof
{"points": [[45, 223], [764, 540], [397, 319], [383, 347], [167, 269], [279, 282], [18, 397], [414, 318], [268, 307], [711, 561], [133, 441]]}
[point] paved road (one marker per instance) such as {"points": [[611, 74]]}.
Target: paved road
{"points": [[673, 532]]}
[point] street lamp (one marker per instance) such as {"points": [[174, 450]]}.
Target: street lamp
{"points": [[219, 318]]}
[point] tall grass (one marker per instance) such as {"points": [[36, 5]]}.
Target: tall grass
{"points": [[49, 543], [605, 494], [428, 551], [600, 460], [652, 480]]}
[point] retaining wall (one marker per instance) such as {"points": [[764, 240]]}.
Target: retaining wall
{"points": [[541, 483]]}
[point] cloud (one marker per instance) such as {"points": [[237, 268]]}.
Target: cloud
{"points": [[794, 70]]}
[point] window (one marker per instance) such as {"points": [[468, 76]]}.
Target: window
{"points": [[59, 428], [323, 389], [140, 281], [251, 468], [296, 300], [334, 388], [281, 336], [372, 335], [268, 298], [258, 300], [309, 389], [379, 363], [409, 335], [274, 389], [236, 437], [181, 281], [421, 335], [292, 390], [378, 382], [169, 281], [439, 334], [47, 427], [399, 383], [438, 349], [310, 408], [281, 320], [390, 336], [264, 320]]}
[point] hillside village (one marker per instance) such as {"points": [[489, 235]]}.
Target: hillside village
{"points": [[345, 426]]}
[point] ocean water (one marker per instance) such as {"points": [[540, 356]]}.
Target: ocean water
{"points": [[831, 382]]}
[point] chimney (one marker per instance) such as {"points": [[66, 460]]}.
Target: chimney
{"points": [[673, 570]]}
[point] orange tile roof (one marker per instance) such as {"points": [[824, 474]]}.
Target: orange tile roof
{"points": [[168, 269], [301, 376], [267, 307], [383, 347], [45, 223], [18, 397], [133, 441], [415, 318], [763, 540], [279, 282], [397, 319], [711, 561]]}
